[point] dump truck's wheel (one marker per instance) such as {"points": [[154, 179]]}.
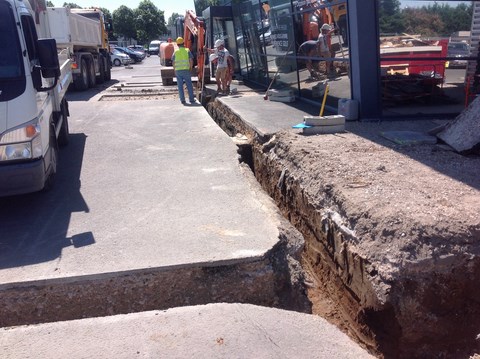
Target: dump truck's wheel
{"points": [[101, 78], [91, 74], [81, 82]]}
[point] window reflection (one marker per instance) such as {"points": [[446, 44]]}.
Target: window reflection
{"points": [[322, 49], [421, 72], [270, 35], [10, 54]]}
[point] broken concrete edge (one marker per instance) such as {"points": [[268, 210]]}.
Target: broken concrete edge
{"points": [[219, 330], [152, 288], [138, 93], [463, 133], [218, 109], [290, 269], [286, 254], [273, 279]]}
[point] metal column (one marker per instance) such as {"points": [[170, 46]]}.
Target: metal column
{"points": [[364, 57]]}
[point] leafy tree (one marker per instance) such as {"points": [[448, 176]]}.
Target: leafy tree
{"points": [[71, 5], [50, 4], [124, 22], [390, 17], [171, 19], [201, 5], [454, 18], [389, 7], [419, 21], [149, 21]]}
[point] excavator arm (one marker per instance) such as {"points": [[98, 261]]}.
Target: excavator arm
{"points": [[194, 37]]}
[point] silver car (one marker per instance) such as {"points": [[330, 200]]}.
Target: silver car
{"points": [[458, 50], [119, 58]]}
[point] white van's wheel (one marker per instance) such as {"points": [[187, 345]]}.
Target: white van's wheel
{"points": [[63, 136], [52, 172]]}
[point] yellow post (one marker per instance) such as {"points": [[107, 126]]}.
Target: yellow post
{"points": [[324, 100]]}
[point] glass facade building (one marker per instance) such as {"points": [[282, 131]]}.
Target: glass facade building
{"points": [[389, 74]]}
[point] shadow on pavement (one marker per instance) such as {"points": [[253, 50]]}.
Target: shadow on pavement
{"points": [[86, 95], [34, 227]]}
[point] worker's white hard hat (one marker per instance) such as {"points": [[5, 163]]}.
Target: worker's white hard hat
{"points": [[213, 57], [219, 43], [326, 27]]}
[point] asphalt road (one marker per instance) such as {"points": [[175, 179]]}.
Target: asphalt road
{"points": [[142, 184]]}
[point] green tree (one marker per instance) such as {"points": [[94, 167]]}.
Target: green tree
{"points": [[171, 19], [50, 4], [390, 17], [149, 22], [389, 7], [453, 18], [419, 21], [201, 5], [71, 5], [124, 22]]}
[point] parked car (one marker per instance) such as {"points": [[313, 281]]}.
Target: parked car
{"points": [[460, 50], [138, 48], [119, 58], [135, 56], [266, 38]]}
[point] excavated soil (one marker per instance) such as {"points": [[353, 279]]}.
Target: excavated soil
{"points": [[392, 232]]}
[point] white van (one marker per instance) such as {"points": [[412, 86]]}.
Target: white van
{"points": [[154, 47]]}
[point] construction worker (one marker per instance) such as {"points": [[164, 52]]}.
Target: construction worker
{"points": [[182, 61], [324, 44], [222, 71], [231, 69], [319, 47], [309, 49]]}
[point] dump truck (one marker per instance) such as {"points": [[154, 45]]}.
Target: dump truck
{"points": [[84, 33], [34, 77]]}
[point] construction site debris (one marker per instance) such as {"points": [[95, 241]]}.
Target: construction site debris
{"points": [[463, 134]]}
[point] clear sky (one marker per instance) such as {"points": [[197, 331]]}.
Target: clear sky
{"points": [[179, 6], [416, 3], [168, 6]]}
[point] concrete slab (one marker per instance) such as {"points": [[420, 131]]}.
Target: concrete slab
{"points": [[159, 184], [267, 117], [210, 331], [409, 137], [149, 195], [463, 134]]}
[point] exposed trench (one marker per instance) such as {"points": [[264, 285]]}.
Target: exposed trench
{"points": [[341, 282], [329, 296]]}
